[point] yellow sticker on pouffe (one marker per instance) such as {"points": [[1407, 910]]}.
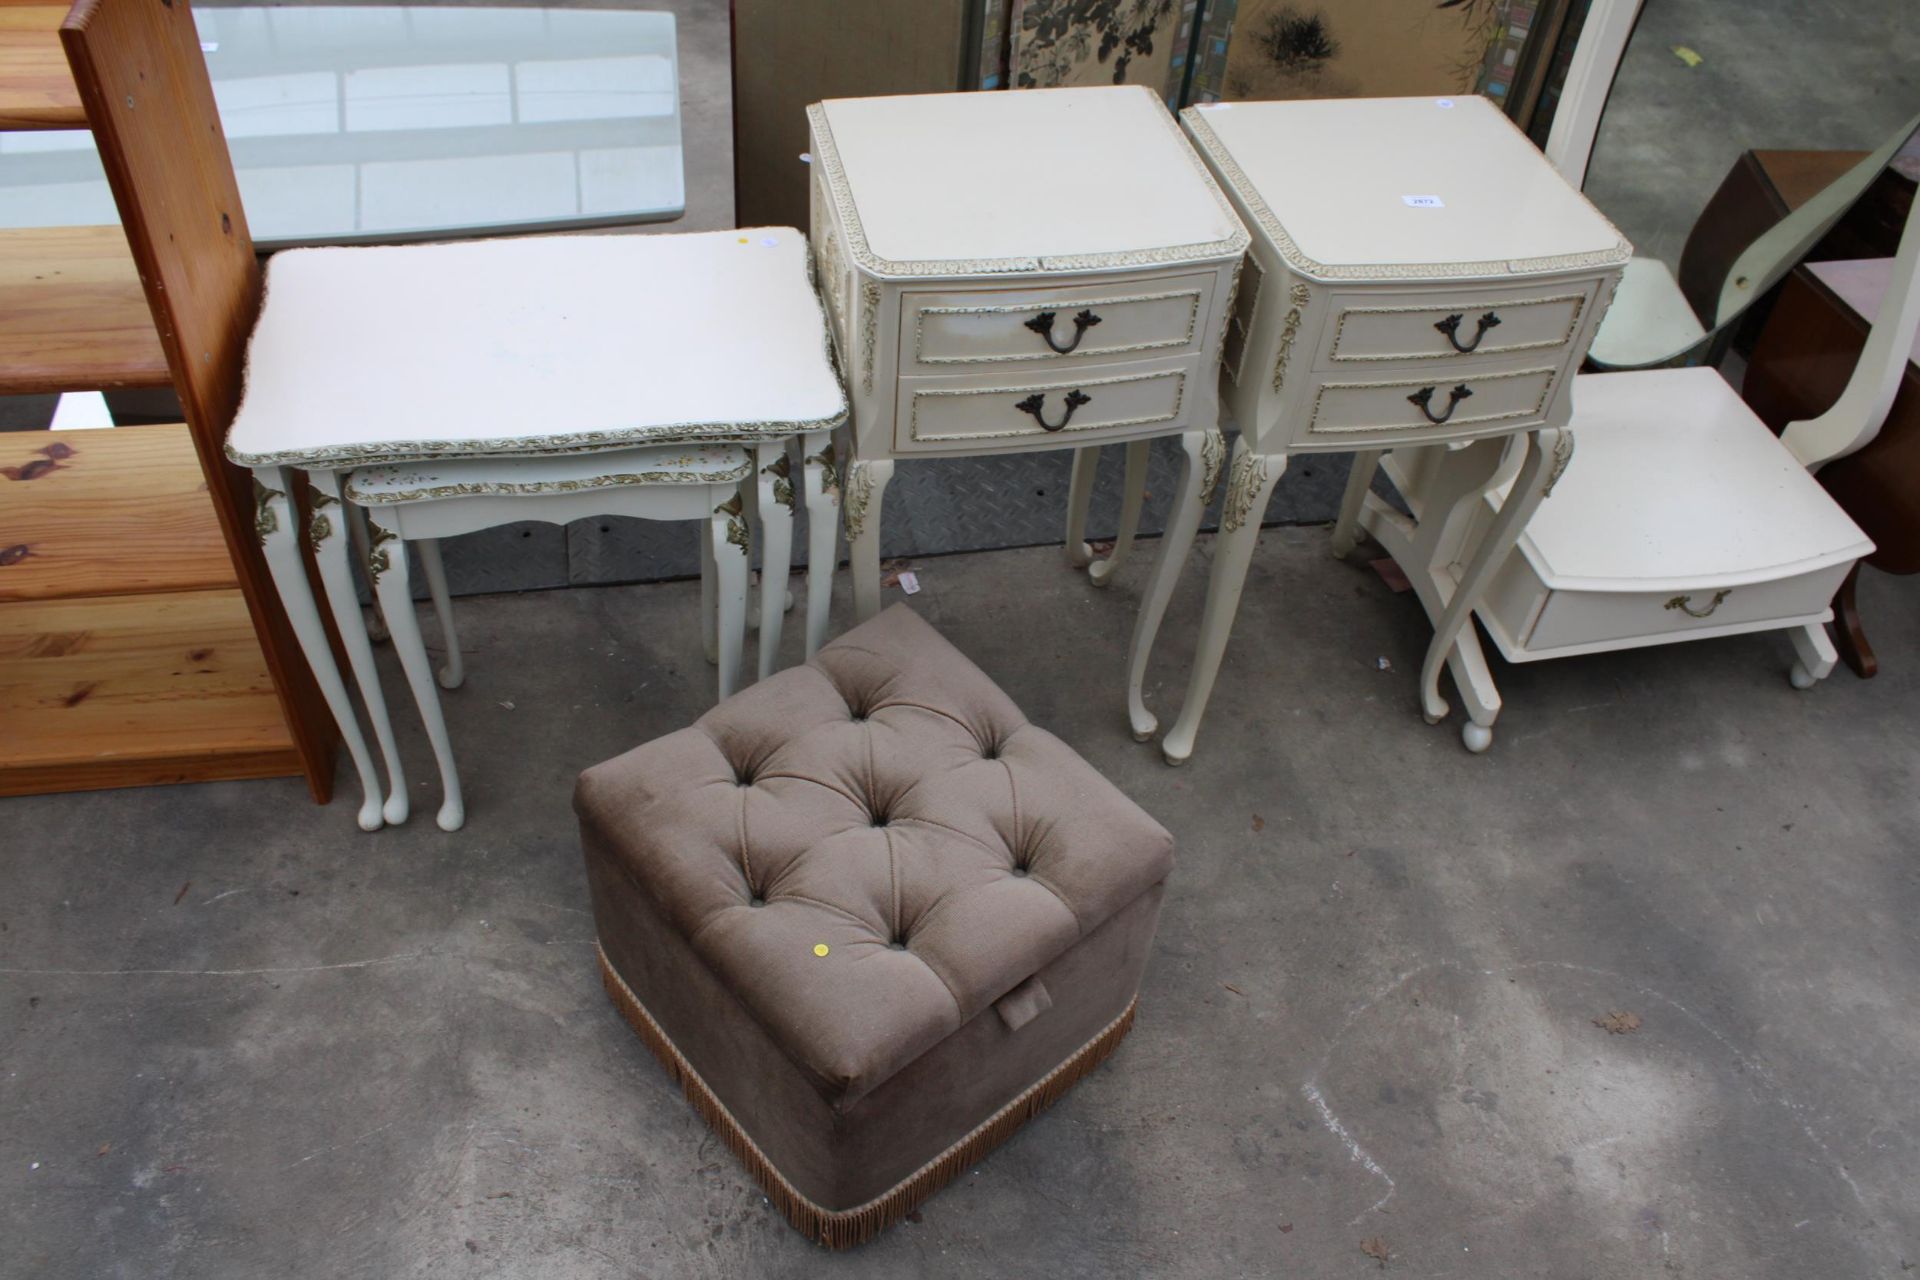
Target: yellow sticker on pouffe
{"points": [[820, 948]]}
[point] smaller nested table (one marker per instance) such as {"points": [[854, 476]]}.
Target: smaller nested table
{"points": [[1420, 276]]}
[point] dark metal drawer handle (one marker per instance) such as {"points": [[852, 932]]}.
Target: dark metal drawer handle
{"points": [[1685, 604], [1424, 398], [1036, 404], [1042, 324], [1451, 327]]}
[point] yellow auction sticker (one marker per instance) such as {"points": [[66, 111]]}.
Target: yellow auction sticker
{"points": [[820, 948]]}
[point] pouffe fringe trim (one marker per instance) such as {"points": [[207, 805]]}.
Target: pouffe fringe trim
{"points": [[844, 1228]]}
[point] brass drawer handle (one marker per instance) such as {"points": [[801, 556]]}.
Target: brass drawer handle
{"points": [[1042, 324], [1424, 399], [1036, 405], [1685, 604], [1451, 327]]}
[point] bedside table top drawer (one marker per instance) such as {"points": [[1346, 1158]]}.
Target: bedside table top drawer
{"points": [[973, 415], [1373, 413], [951, 332], [1490, 321]]}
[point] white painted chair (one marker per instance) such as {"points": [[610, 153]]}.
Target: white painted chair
{"points": [[1681, 516]]}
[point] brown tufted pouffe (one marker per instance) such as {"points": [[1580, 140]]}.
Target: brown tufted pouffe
{"points": [[870, 919]]}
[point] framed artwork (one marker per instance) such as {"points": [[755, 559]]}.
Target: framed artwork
{"points": [[1360, 48], [1514, 51], [1057, 43], [991, 18], [1211, 34]]}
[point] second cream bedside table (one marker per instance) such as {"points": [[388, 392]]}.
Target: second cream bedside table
{"points": [[1009, 271], [1420, 276]]}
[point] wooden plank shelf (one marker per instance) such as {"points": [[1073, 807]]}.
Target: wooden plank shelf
{"points": [[120, 691], [106, 513], [72, 313], [36, 86]]}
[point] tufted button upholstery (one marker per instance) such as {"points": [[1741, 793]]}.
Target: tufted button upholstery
{"points": [[886, 800]]}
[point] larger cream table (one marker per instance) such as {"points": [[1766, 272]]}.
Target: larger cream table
{"points": [[531, 349]]}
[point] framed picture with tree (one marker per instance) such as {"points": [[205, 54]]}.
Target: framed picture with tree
{"points": [[1360, 48]]}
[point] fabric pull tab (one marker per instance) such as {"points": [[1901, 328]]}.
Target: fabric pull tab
{"points": [[1024, 1003]]}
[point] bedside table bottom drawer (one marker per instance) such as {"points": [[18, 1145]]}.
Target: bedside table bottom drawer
{"points": [[965, 415], [1410, 407]]}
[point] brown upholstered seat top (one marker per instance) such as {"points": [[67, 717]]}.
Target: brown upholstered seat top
{"points": [[886, 803]]}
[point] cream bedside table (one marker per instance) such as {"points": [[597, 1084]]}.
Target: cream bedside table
{"points": [[1008, 271], [1420, 275]]}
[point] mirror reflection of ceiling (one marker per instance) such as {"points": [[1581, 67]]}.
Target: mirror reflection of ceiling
{"points": [[380, 123]]}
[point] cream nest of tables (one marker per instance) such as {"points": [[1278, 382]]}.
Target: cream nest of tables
{"points": [[533, 379], [1018, 271]]}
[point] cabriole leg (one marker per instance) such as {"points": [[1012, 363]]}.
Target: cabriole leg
{"points": [[274, 524], [1249, 485], [1199, 470], [822, 482], [1101, 572], [774, 503], [388, 566], [727, 541], [709, 602], [1530, 487], [1086, 461], [1813, 655], [866, 485], [1359, 481], [453, 672], [357, 527], [330, 553]]}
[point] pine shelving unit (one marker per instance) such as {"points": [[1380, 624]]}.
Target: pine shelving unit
{"points": [[131, 651]]}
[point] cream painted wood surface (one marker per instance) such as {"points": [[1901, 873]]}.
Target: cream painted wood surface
{"points": [[1017, 271], [1685, 518], [1494, 321], [1082, 324], [534, 345], [1501, 209], [1052, 179], [486, 383], [1419, 276], [972, 415], [1681, 517]]}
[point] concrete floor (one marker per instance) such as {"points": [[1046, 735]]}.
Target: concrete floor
{"points": [[239, 1038]]}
